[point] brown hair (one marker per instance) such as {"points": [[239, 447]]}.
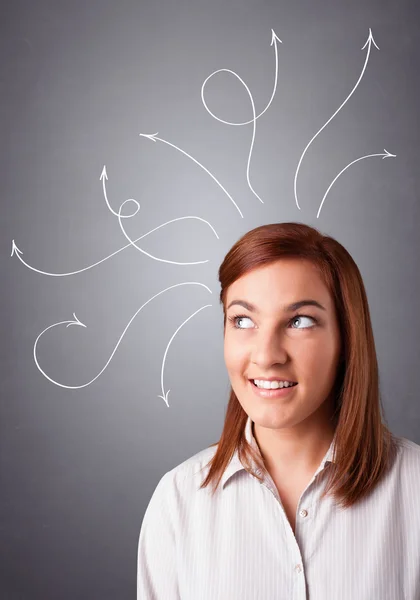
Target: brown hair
{"points": [[364, 446]]}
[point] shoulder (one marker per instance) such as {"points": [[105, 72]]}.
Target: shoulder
{"points": [[409, 451], [407, 464], [186, 475]]}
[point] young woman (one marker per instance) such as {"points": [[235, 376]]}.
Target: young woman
{"points": [[312, 495]]}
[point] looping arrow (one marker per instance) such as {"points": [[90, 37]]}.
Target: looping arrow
{"points": [[17, 252], [76, 321], [274, 40], [104, 177]]}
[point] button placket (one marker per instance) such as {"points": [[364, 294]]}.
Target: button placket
{"points": [[307, 499]]}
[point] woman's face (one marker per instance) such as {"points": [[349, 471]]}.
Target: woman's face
{"points": [[271, 341]]}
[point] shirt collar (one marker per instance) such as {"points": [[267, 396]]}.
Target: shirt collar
{"points": [[235, 464]]}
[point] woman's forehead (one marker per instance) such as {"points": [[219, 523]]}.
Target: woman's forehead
{"points": [[287, 283]]}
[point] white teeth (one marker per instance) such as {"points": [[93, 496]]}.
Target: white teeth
{"points": [[271, 384]]}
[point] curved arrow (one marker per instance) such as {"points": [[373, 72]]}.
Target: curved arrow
{"points": [[104, 177], [385, 155], [18, 252], [153, 137], [77, 322], [120, 216], [132, 243], [274, 40], [253, 130], [369, 43], [165, 396]]}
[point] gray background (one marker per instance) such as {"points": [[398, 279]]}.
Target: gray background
{"points": [[79, 82]]}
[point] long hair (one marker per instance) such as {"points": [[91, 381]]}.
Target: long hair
{"points": [[364, 447]]}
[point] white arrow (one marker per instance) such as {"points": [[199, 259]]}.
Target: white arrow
{"points": [[153, 137], [104, 177], [18, 252], [165, 395], [368, 43], [77, 322], [274, 40], [386, 154], [253, 121], [172, 262]]}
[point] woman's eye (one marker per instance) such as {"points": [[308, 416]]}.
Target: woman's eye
{"points": [[240, 318], [235, 320], [302, 317]]}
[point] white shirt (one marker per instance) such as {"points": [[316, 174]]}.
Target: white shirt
{"points": [[239, 545]]}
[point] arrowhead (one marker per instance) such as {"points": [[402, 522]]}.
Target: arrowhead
{"points": [[370, 40], [150, 136], [103, 174], [388, 154], [274, 37], [76, 322], [15, 249], [165, 397]]}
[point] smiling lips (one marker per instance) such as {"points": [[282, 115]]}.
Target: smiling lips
{"points": [[272, 393], [281, 383]]}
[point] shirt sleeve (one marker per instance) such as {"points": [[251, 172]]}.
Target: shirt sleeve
{"points": [[156, 557]]}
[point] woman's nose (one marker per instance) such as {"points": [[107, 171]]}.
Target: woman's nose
{"points": [[269, 349]]}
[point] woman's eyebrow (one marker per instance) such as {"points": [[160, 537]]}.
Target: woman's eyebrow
{"points": [[291, 307]]}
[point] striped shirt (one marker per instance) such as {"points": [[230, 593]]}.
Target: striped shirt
{"points": [[239, 545]]}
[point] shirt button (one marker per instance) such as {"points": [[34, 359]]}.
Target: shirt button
{"points": [[303, 513], [298, 568]]}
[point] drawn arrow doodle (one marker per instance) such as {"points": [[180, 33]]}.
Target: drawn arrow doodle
{"points": [[104, 177], [16, 251], [76, 321], [172, 262], [165, 396], [368, 43], [153, 137], [274, 40], [254, 127], [385, 154], [132, 242]]}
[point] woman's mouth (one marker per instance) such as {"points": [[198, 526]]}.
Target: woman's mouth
{"points": [[271, 393]]}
